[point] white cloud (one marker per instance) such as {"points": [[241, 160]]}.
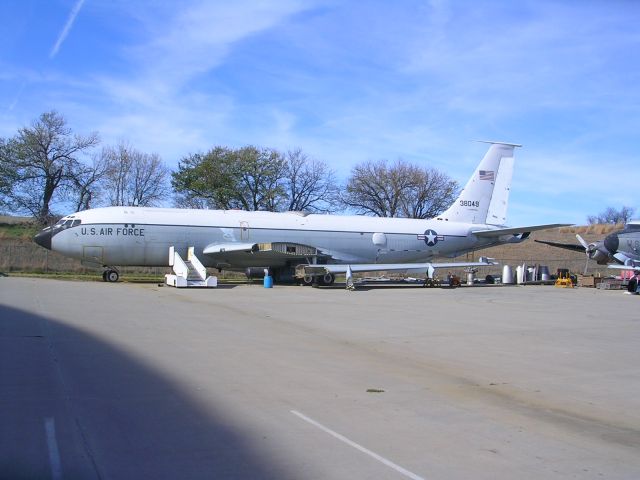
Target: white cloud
{"points": [[200, 36], [158, 104], [352, 81]]}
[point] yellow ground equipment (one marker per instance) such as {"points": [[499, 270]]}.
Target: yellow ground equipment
{"points": [[564, 279]]}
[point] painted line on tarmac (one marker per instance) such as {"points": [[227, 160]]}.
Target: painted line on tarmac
{"points": [[52, 444], [357, 446]]}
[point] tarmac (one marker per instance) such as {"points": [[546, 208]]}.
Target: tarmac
{"points": [[130, 381]]}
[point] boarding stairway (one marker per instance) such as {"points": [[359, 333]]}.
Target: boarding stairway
{"points": [[189, 272]]}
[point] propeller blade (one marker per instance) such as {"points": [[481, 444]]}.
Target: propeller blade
{"points": [[586, 250], [586, 266], [582, 242]]}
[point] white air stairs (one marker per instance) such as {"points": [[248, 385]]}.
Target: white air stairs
{"points": [[189, 272]]}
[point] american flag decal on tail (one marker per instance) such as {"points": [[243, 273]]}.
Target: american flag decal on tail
{"points": [[486, 175]]}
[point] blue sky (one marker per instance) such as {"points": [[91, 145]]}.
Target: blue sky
{"points": [[349, 81]]}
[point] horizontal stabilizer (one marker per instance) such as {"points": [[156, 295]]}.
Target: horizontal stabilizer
{"points": [[500, 143], [498, 232]]}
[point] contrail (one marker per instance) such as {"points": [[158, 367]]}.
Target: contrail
{"points": [[67, 27], [13, 104]]}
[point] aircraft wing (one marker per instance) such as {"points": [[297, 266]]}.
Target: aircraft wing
{"points": [[567, 246], [630, 265], [385, 267], [515, 230], [274, 253]]}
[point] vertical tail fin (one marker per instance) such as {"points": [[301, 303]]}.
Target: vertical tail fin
{"points": [[485, 197]]}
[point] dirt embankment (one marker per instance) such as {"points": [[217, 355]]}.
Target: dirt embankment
{"points": [[531, 253]]}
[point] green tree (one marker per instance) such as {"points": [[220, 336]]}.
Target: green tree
{"points": [[249, 178], [261, 185], [8, 174], [207, 180]]}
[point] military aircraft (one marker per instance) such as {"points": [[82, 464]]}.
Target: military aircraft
{"points": [[312, 247], [621, 248]]}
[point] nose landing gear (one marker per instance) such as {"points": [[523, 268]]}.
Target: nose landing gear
{"points": [[110, 275]]}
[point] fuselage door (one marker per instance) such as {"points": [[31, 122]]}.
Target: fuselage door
{"points": [[92, 256]]}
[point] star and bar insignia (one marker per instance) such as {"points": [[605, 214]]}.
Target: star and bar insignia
{"points": [[431, 237]]}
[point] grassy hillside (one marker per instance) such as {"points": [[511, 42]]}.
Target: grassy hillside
{"points": [[17, 231]]}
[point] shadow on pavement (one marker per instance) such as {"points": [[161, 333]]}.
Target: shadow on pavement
{"points": [[113, 417]]}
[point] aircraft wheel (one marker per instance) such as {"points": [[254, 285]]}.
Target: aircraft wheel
{"points": [[111, 276], [307, 280], [328, 279]]}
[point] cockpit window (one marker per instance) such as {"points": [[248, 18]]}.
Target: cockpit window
{"points": [[66, 223]]}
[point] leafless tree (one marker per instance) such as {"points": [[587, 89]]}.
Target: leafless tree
{"points": [[374, 188], [611, 215], [87, 183], [45, 158], [432, 193], [134, 178], [398, 190], [310, 184]]}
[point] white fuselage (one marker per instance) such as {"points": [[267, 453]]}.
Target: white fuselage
{"points": [[143, 236]]}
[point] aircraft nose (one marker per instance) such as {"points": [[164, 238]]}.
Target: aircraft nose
{"points": [[43, 238], [611, 243]]}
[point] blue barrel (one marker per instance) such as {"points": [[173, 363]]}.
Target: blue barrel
{"points": [[268, 281]]}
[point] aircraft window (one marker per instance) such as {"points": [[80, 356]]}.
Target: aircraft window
{"points": [[64, 224], [76, 223]]}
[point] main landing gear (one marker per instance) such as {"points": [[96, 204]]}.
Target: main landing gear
{"points": [[318, 280], [110, 275]]}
